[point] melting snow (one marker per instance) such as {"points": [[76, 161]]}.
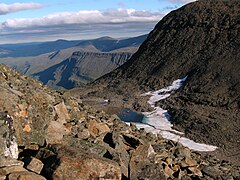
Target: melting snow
{"points": [[158, 121]]}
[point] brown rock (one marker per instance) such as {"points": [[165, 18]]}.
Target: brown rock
{"points": [[34, 147], [83, 134], [5, 162], [183, 152], [62, 113], [143, 166], [35, 165], [123, 157], [168, 172], [55, 132], [169, 161], [74, 164], [25, 176], [96, 128], [191, 162], [82, 116], [10, 169], [162, 155], [195, 171], [176, 167], [188, 162], [144, 151]]}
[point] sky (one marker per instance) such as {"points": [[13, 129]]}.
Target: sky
{"points": [[48, 20]]}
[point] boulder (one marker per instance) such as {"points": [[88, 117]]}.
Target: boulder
{"points": [[85, 146], [95, 128], [142, 164], [62, 113], [55, 132], [34, 165], [213, 172], [83, 134], [74, 164], [10, 169], [121, 155], [25, 175]]}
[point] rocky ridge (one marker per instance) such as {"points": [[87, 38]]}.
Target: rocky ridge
{"points": [[45, 135]]}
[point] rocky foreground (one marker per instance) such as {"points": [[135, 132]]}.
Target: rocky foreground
{"points": [[45, 135]]}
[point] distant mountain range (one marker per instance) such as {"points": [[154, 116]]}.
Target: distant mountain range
{"points": [[67, 64]]}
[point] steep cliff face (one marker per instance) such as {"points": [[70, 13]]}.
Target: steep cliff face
{"points": [[202, 41], [81, 68]]}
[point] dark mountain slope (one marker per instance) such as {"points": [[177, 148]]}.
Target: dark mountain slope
{"points": [[201, 40]]}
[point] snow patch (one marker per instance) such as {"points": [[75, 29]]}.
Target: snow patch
{"points": [[158, 121]]}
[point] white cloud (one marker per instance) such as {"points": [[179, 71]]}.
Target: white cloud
{"points": [[83, 17], [79, 25], [9, 8]]}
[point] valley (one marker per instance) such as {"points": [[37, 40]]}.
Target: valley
{"points": [[89, 59]]}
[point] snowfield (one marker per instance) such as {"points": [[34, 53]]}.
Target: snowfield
{"points": [[158, 121]]}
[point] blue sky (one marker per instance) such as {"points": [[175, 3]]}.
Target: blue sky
{"points": [[46, 20]]}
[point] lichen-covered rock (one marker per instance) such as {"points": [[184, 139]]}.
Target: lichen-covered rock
{"points": [[75, 164], [29, 103]]}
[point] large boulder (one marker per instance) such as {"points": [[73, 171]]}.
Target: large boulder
{"points": [[65, 162], [29, 103]]}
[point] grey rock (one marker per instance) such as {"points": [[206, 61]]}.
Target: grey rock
{"points": [[211, 171]]}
